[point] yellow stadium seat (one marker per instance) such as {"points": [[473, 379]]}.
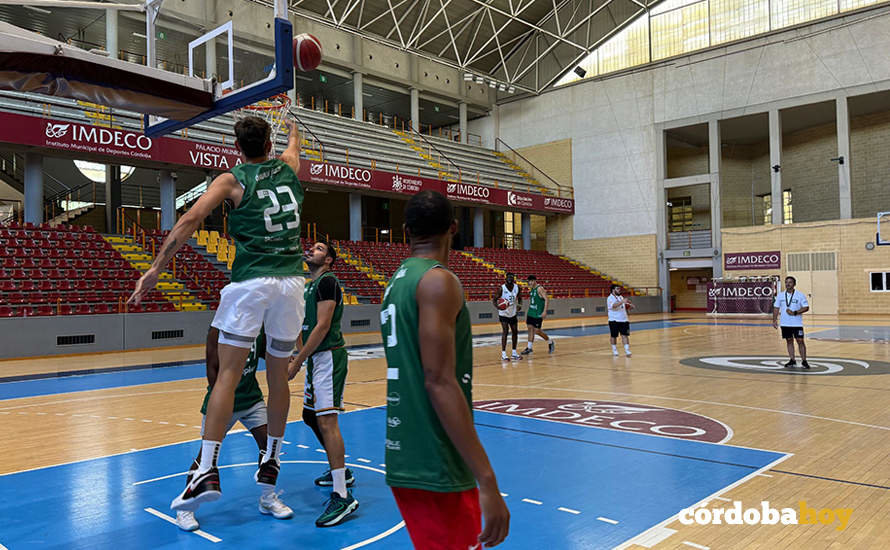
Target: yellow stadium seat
{"points": [[222, 254], [232, 251], [212, 247], [214, 235], [203, 237]]}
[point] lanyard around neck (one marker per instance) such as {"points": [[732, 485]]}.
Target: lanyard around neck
{"points": [[787, 300]]}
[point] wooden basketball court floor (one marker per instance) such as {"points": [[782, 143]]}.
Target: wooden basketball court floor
{"points": [[711, 385]]}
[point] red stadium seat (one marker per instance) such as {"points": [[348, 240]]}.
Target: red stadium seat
{"points": [[83, 309], [45, 311], [6, 311]]}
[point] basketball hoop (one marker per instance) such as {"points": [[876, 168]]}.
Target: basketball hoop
{"points": [[273, 110]]}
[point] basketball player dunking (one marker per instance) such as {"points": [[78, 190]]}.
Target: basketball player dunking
{"points": [[266, 290], [509, 292], [434, 459]]}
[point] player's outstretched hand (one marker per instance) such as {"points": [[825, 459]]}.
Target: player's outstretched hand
{"points": [[495, 516], [145, 283]]}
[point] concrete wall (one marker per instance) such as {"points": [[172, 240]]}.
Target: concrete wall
{"points": [[870, 167], [846, 237], [745, 176], [36, 336], [690, 298]]}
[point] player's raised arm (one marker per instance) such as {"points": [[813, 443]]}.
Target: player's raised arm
{"points": [[291, 155]]}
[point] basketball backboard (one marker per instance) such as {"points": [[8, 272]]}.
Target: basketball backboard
{"points": [[231, 55]]}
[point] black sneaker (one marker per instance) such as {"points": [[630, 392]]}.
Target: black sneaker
{"points": [[267, 473], [259, 461], [791, 364], [327, 480], [551, 345], [337, 510], [203, 487], [527, 351], [804, 364]]}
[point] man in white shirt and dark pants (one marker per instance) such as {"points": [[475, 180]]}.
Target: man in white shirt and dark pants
{"points": [[791, 305], [617, 305]]}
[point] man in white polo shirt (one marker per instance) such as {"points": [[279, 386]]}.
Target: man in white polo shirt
{"points": [[617, 305], [791, 305]]}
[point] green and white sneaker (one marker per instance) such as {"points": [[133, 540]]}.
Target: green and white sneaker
{"points": [[327, 480], [338, 509]]}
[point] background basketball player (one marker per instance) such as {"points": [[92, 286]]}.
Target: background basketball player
{"points": [[537, 311], [433, 456], [617, 306], [323, 345], [249, 410], [509, 292], [266, 290], [790, 306]]}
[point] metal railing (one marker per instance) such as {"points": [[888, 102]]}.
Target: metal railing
{"points": [[689, 239], [561, 190], [439, 151]]}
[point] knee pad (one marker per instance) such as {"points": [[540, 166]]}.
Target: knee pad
{"points": [[236, 340], [280, 348]]}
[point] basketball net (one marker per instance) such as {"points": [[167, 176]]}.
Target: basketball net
{"points": [[274, 111]]}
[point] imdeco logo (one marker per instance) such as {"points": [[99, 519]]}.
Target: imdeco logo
{"points": [[315, 169], [56, 131]]}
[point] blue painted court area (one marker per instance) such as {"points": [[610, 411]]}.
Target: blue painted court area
{"points": [[568, 487]]}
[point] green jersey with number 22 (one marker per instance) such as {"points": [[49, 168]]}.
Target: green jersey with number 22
{"points": [[266, 225]]}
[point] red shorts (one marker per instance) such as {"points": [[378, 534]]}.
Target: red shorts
{"points": [[441, 521]]}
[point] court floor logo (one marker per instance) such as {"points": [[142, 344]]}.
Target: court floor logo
{"points": [[627, 417], [775, 364]]}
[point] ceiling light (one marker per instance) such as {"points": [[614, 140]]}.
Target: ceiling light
{"points": [[480, 80], [492, 84], [511, 89], [38, 10], [301, 77], [139, 35], [468, 77], [369, 94], [502, 87]]}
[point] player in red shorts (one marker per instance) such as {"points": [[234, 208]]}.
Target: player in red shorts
{"points": [[434, 459]]}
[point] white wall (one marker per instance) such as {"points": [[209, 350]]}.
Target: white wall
{"points": [[613, 122]]}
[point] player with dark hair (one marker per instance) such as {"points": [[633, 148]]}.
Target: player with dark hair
{"points": [[537, 311], [266, 291], [508, 301], [434, 459], [323, 346], [617, 306], [790, 306]]}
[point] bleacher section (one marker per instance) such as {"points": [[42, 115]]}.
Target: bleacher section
{"points": [[560, 277], [66, 270]]}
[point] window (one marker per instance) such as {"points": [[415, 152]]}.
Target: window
{"points": [[786, 206], [512, 230], [766, 207], [880, 281], [95, 171], [680, 214]]}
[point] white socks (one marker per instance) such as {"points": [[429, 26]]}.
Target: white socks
{"points": [[273, 447], [614, 349], [339, 476], [209, 454], [530, 344], [627, 349]]}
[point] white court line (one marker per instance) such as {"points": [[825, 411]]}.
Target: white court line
{"points": [[647, 396], [607, 520], [699, 546], [365, 460], [322, 451], [656, 537], [764, 475], [648, 533], [504, 495], [569, 510], [167, 518], [530, 501], [302, 446], [723, 499], [384, 534]]}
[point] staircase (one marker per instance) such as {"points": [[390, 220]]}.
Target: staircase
{"points": [[172, 290], [589, 269], [444, 174], [521, 171]]}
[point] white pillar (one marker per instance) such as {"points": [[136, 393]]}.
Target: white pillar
{"points": [[715, 160], [843, 163], [415, 109], [462, 118], [210, 65], [527, 231], [111, 33], [168, 199], [496, 126], [775, 163], [478, 227], [33, 188], [355, 217], [358, 94]]}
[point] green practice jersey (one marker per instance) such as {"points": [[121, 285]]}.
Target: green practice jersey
{"points": [[247, 392], [419, 454], [266, 224], [536, 305], [334, 337]]}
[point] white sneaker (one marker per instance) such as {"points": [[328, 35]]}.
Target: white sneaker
{"points": [[186, 521], [504, 356], [615, 352], [272, 505], [627, 353], [515, 356]]}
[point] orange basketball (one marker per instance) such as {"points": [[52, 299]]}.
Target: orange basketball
{"points": [[503, 303], [307, 52]]}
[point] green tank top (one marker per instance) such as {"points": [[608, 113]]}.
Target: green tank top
{"points": [[419, 454], [334, 337], [266, 224], [247, 392], [536, 304]]}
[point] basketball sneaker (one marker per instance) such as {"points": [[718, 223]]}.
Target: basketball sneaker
{"points": [[267, 473], [327, 480], [551, 345], [271, 505], [515, 356], [504, 356], [337, 510], [791, 364], [202, 487], [527, 351], [186, 521], [804, 364]]}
